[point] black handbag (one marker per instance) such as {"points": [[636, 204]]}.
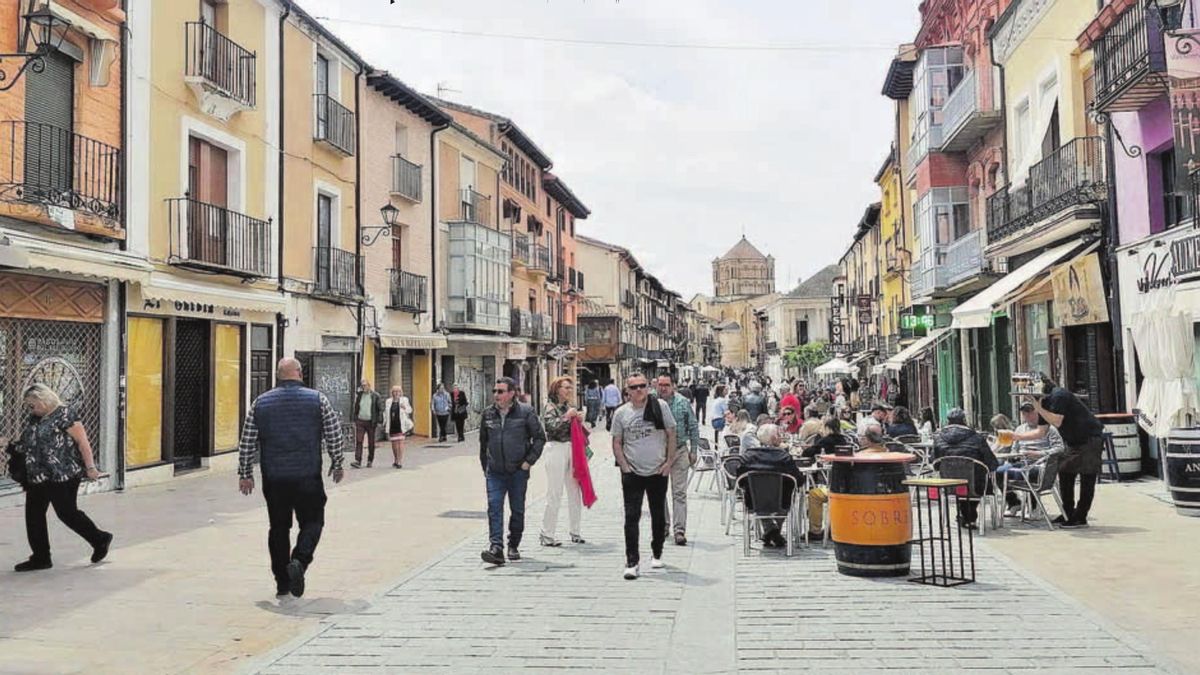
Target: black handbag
{"points": [[16, 463]]}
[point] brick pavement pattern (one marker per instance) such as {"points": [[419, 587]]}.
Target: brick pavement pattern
{"points": [[710, 611]]}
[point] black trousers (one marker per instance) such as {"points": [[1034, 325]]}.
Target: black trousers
{"points": [[1087, 492], [608, 413], [63, 497], [304, 497], [654, 488], [443, 422], [460, 423], [701, 410], [361, 428]]}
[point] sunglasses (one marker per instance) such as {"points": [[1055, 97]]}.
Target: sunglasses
{"points": [[638, 386], [499, 391]]}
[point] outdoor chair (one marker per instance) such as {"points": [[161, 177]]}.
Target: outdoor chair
{"points": [[729, 489], [706, 462], [1110, 468], [969, 469], [1039, 478], [766, 490], [733, 444]]}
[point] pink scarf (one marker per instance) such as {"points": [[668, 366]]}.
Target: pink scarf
{"points": [[579, 463]]}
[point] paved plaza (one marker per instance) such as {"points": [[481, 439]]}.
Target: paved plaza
{"points": [[710, 611]]}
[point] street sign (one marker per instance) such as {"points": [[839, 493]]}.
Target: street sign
{"points": [[559, 353]]}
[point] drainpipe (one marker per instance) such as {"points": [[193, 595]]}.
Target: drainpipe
{"points": [[1110, 237], [433, 237], [122, 361], [281, 321], [358, 257]]}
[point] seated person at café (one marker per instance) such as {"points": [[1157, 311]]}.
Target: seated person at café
{"points": [[829, 441], [956, 439], [846, 416], [741, 426], [1001, 423], [769, 455], [872, 439], [901, 424], [1034, 439], [811, 429], [788, 419], [879, 416]]}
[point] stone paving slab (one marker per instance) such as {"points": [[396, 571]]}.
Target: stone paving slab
{"points": [[710, 611]]}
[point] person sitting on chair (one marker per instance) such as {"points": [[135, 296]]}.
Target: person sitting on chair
{"points": [[956, 439], [872, 439], [1034, 439], [770, 456], [829, 441]]}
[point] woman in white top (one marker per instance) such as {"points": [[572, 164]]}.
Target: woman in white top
{"points": [[397, 423]]}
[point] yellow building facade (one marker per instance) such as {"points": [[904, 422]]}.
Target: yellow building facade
{"points": [[893, 250], [203, 192]]}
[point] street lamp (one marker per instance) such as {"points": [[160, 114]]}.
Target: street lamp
{"points": [[41, 25], [371, 234]]}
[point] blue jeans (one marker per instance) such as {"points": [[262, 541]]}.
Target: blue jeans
{"points": [[513, 485]]}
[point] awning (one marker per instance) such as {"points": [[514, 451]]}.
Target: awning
{"points": [[835, 367], [228, 297], [476, 337], [664, 364], [977, 312], [914, 350], [412, 341], [859, 358], [64, 258]]}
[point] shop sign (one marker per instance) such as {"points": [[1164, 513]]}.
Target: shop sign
{"points": [[181, 306], [1166, 266], [1079, 292], [863, 304], [517, 351], [836, 329]]}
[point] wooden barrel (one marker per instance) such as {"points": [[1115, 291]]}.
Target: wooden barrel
{"points": [[870, 514], [1126, 443], [1183, 470]]}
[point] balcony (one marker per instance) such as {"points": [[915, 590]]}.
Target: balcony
{"points": [[894, 265], [540, 262], [220, 72], [214, 238], [565, 334], [968, 114], [559, 271], [55, 167], [657, 324], [479, 278], [543, 328], [476, 207], [334, 124], [1072, 176], [929, 274], [335, 273], [965, 260], [409, 292], [1129, 52], [628, 299], [521, 250], [406, 179], [522, 323]]}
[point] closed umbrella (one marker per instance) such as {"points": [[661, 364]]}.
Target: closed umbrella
{"points": [[1162, 336]]}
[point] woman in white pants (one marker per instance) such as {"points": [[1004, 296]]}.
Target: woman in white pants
{"points": [[556, 456]]}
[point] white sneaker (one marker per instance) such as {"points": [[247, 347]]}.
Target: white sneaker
{"points": [[631, 573], [656, 564]]}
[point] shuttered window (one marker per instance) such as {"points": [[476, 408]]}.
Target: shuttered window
{"points": [[49, 123]]}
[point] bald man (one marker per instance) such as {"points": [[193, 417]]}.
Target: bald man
{"points": [[284, 430]]}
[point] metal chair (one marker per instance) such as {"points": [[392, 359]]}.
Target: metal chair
{"points": [[733, 444], [766, 490], [954, 466], [1044, 482], [729, 491], [706, 462], [1110, 468]]}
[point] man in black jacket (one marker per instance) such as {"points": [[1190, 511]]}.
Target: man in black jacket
{"points": [[956, 439], [770, 456], [511, 438], [755, 403], [700, 392]]}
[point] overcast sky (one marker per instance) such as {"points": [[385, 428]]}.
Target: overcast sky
{"points": [[677, 151]]}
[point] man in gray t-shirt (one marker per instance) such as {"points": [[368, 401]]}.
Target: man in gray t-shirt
{"points": [[643, 437]]}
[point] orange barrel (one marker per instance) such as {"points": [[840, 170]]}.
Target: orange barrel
{"points": [[1183, 470], [870, 514], [1126, 443]]}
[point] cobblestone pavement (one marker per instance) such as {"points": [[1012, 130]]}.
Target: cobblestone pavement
{"points": [[710, 611]]}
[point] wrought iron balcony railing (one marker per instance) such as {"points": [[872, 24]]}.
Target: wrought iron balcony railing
{"points": [[521, 249], [1128, 52], [541, 259], [211, 237], [564, 334], [221, 63], [476, 207], [334, 124], [628, 299], [48, 165], [335, 272], [522, 323], [543, 328], [559, 271], [406, 179], [409, 292], [1072, 175]]}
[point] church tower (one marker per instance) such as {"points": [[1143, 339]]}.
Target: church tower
{"points": [[743, 272]]}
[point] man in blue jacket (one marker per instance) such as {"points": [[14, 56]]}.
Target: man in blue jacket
{"points": [[285, 429], [511, 438]]}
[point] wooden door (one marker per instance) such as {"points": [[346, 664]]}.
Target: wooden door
{"points": [[208, 188], [324, 240]]}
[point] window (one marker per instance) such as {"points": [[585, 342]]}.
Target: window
{"points": [[1176, 206], [1021, 131], [324, 240], [802, 332], [1037, 337], [401, 140]]}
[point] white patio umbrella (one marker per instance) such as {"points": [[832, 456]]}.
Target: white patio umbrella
{"points": [[835, 366], [1162, 336]]}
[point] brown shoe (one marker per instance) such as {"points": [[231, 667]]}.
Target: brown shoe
{"points": [[680, 540]]}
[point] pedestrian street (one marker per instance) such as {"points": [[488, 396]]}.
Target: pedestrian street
{"points": [[711, 610]]}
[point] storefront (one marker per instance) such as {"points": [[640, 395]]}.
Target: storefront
{"points": [[473, 363], [1160, 306], [198, 355], [914, 367], [407, 361], [61, 333]]}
